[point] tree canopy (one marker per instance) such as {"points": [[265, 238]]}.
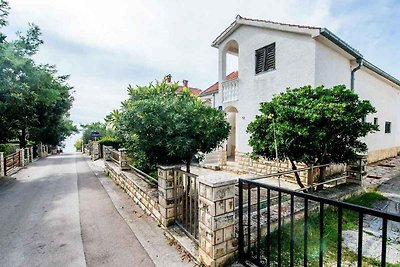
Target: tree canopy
{"points": [[34, 100], [159, 125], [312, 125]]}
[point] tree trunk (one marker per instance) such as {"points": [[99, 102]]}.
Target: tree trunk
{"points": [[321, 177], [21, 137], [296, 174]]}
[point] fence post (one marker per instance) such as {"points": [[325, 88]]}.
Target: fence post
{"points": [[95, 150], [217, 239], [27, 151], [22, 157], [2, 164], [310, 178], [222, 157], [31, 154], [123, 159], [357, 170], [107, 153], [166, 197]]}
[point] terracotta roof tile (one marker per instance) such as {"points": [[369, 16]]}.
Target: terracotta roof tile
{"points": [[283, 24], [214, 88], [193, 91]]}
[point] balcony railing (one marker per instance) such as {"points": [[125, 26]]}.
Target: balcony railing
{"points": [[230, 90]]}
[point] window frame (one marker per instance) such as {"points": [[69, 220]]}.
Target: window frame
{"points": [[388, 127], [265, 61]]}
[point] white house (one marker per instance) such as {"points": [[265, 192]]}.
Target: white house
{"points": [[273, 56]]}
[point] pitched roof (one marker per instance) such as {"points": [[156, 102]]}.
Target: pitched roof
{"points": [[193, 91], [304, 29], [214, 88]]}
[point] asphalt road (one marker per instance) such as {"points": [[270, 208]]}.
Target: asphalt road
{"points": [[56, 213]]}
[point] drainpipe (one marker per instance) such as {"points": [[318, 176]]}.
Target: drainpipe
{"points": [[360, 62], [213, 95]]}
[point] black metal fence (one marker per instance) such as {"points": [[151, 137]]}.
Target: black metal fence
{"points": [[290, 229], [186, 203]]}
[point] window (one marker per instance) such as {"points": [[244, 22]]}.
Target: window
{"points": [[388, 126], [375, 121], [265, 58]]}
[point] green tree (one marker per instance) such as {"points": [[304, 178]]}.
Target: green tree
{"points": [[78, 145], [4, 11], [162, 126], [314, 126], [34, 100], [89, 128]]}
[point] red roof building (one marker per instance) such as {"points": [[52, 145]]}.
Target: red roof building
{"points": [[215, 87]]}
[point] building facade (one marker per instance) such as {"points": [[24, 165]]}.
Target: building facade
{"points": [[275, 56]]}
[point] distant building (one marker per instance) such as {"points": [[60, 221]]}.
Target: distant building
{"points": [[185, 84]]}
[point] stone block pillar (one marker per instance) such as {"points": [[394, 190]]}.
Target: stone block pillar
{"points": [[123, 159], [22, 157], [357, 170], [28, 156], [31, 154], [95, 150], [107, 153], [217, 239], [1, 164], [222, 157], [167, 176]]}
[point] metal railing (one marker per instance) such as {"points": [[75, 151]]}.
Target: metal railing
{"points": [[12, 162], [254, 251], [144, 175], [186, 203], [230, 90]]}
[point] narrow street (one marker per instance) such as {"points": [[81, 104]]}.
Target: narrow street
{"points": [[57, 213]]}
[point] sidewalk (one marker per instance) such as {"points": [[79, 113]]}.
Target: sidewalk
{"points": [[161, 251]]}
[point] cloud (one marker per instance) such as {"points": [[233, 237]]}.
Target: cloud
{"points": [[107, 45]]}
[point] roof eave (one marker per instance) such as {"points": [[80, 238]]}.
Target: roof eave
{"points": [[261, 24], [357, 55], [381, 72], [339, 42]]}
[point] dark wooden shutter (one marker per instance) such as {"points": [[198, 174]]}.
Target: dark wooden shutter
{"points": [[270, 61], [260, 59], [388, 126], [265, 58]]}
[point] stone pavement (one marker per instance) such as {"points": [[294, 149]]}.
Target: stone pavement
{"points": [[160, 249], [384, 176], [382, 171]]}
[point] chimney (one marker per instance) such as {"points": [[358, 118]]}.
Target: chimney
{"points": [[168, 78], [185, 83]]}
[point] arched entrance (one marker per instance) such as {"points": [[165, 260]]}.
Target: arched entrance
{"points": [[230, 115]]}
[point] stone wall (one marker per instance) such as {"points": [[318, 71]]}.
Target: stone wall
{"points": [[264, 167], [377, 155], [143, 194]]}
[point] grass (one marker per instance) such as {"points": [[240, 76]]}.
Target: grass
{"points": [[349, 222]]}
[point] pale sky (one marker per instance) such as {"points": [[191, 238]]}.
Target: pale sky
{"points": [[106, 45]]}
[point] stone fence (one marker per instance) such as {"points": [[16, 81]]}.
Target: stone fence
{"points": [[215, 213], [13, 162]]}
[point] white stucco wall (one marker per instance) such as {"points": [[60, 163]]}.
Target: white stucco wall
{"points": [[295, 66], [386, 99], [331, 68], [302, 60]]}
